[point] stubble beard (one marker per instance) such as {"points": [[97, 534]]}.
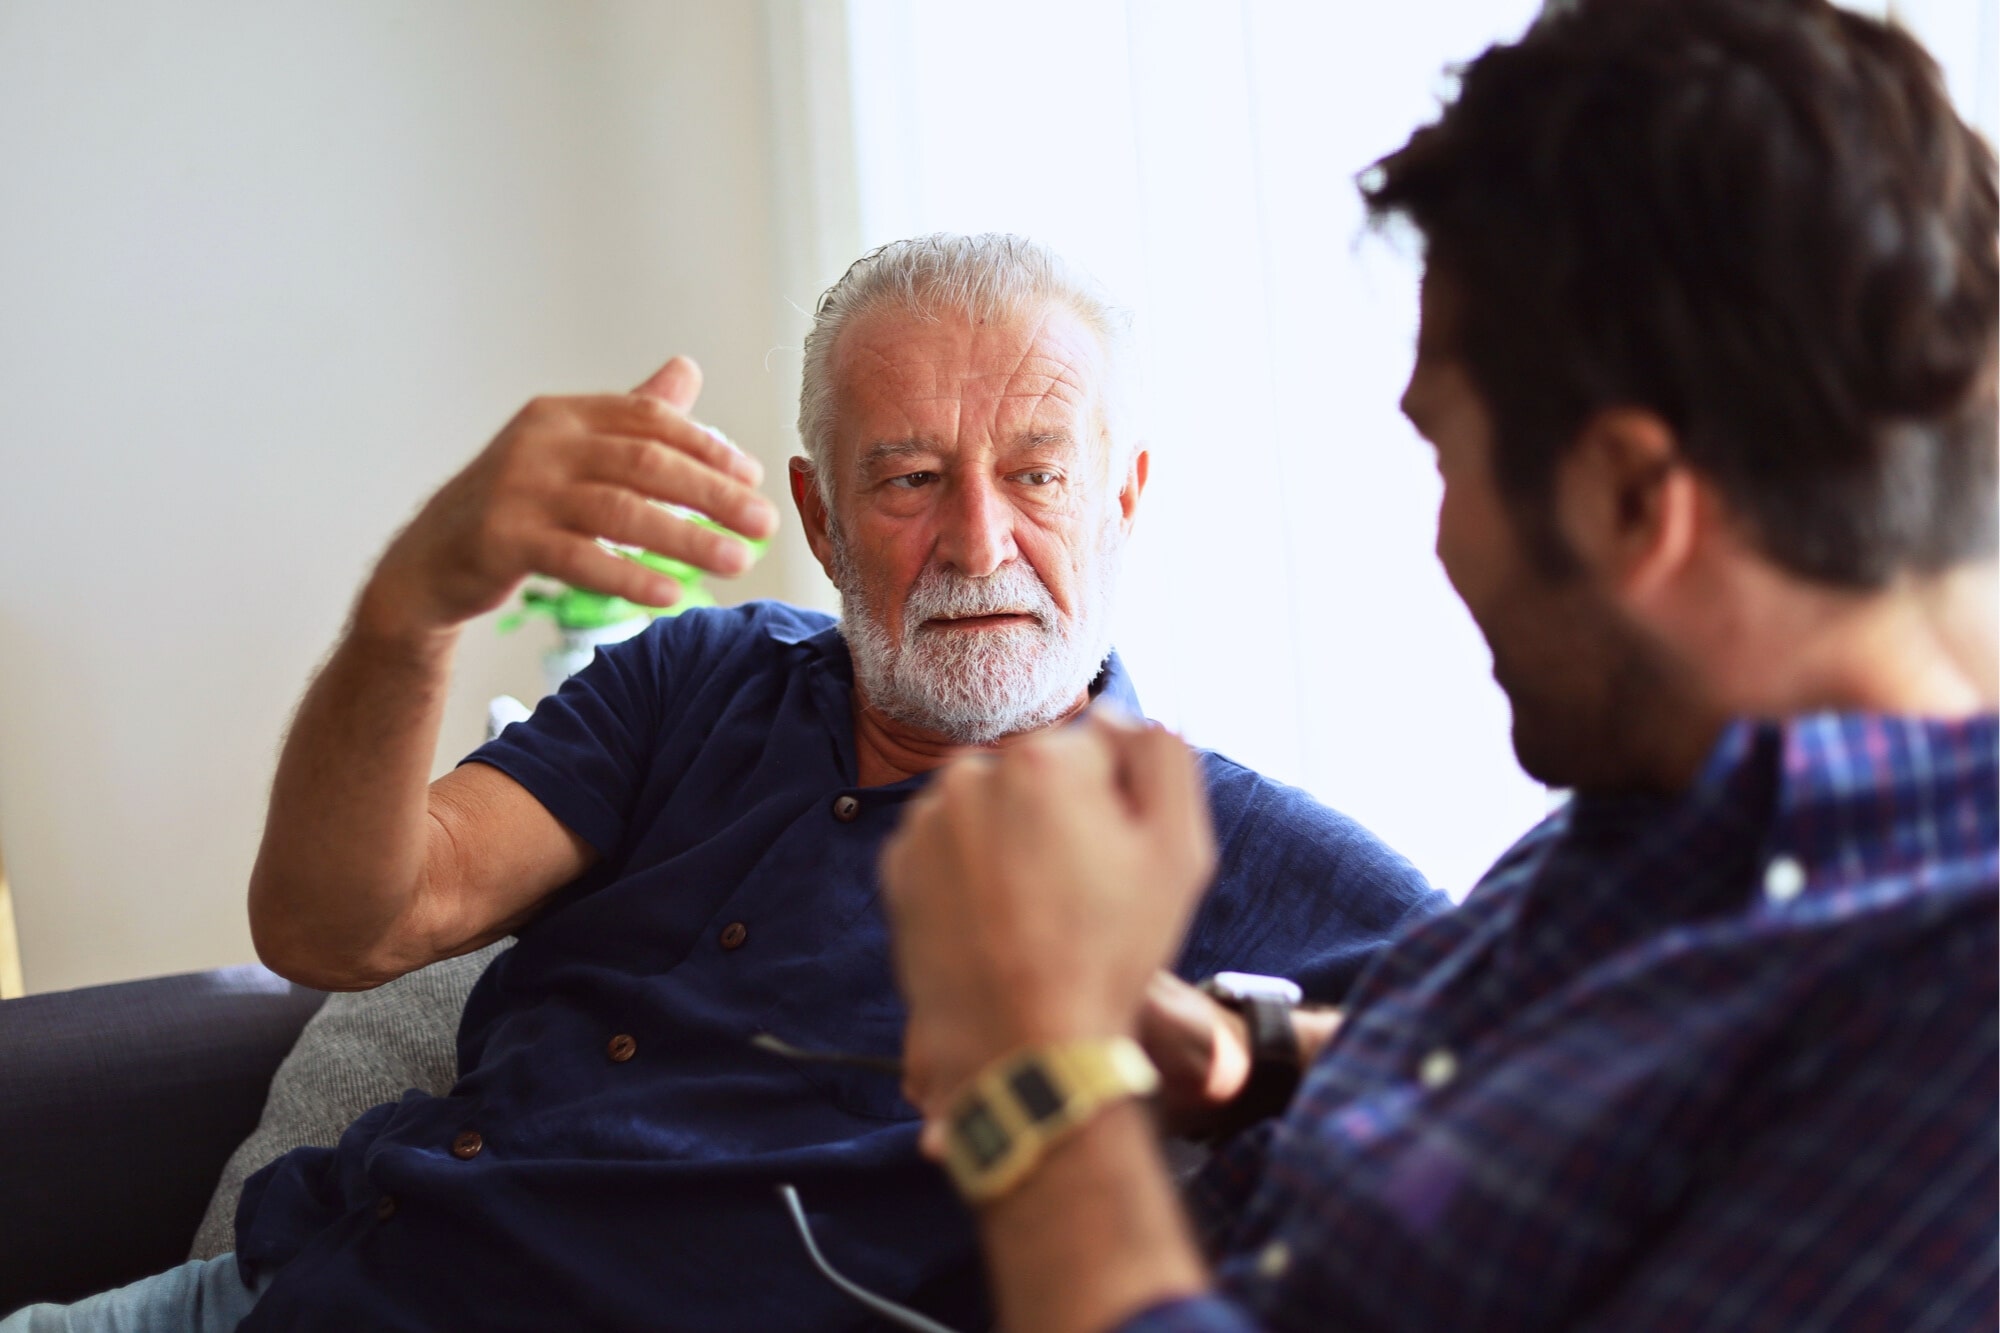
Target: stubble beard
{"points": [[1585, 717], [974, 687]]}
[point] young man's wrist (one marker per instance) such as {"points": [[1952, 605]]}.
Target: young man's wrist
{"points": [[1070, 1249], [1003, 1123]]}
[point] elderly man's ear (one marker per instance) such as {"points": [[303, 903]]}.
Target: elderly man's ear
{"points": [[1134, 484], [812, 511]]}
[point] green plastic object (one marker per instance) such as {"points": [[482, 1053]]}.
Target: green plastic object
{"points": [[580, 609]]}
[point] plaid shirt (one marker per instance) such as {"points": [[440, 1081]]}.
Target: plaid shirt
{"points": [[1726, 1062]]}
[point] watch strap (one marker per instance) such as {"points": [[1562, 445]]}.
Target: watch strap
{"points": [[1021, 1105], [1275, 1065]]}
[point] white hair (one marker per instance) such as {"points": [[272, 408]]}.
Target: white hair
{"points": [[991, 276]]}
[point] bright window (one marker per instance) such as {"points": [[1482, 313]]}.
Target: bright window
{"points": [[1281, 602]]}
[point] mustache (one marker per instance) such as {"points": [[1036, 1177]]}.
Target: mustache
{"points": [[943, 594]]}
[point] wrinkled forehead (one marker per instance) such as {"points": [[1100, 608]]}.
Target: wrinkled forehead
{"points": [[955, 380]]}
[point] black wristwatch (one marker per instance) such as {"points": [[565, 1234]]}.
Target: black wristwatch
{"points": [[1266, 1004]]}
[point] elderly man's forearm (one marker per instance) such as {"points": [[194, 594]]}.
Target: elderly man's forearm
{"points": [[349, 831]]}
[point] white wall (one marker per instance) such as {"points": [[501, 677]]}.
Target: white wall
{"points": [[267, 275]]}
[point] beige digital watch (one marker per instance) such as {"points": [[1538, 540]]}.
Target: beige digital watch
{"points": [[1023, 1104]]}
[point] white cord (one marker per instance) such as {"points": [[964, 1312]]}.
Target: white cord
{"points": [[888, 1309]]}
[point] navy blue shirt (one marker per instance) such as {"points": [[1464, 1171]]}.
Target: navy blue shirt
{"points": [[710, 762]]}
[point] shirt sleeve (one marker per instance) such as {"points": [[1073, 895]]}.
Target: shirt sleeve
{"points": [[585, 751], [1221, 1190], [1196, 1314], [1301, 891]]}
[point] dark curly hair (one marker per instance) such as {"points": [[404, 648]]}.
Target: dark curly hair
{"points": [[1761, 219]]}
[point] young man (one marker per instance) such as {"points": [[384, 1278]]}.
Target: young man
{"points": [[1708, 363]]}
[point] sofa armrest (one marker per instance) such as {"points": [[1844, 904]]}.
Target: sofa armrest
{"points": [[118, 1107]]}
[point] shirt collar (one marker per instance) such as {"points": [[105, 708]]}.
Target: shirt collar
{"points": [[1879, 799], [1867, 809], [1854, 798]]}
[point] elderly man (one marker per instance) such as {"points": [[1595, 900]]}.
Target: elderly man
{"points": [[1708, 364], [685, 837]]}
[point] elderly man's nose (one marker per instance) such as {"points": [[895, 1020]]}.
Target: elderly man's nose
{"points": [[978, 533]]}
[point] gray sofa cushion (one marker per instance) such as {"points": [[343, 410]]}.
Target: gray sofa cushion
{"points": [[361, 1049]]}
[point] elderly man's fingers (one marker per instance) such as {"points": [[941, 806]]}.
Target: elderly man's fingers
{"points": [[654, 418], [677, 383], [582, 563], [663, 473], [619, 515]]}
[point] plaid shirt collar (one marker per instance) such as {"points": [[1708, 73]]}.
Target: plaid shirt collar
{"points": [[1865, 808]]}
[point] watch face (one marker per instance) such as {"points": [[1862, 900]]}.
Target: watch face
{"points": [[1252, 986], [983, 1137], [1037, 1096]]}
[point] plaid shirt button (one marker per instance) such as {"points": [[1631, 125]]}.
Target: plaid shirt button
{"points": [[1784, 880], [1439, 1068]]}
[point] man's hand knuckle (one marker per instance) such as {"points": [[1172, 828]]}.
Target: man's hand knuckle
{"points": [[499, 530], [543, 551], [1038, 756], [719, 494], [618, 510], [657, 411], [638, 457]]}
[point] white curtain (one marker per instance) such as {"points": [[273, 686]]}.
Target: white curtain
{"points": [[1281, 601]]}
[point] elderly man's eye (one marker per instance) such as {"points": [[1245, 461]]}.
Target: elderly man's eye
{"points": [[909, 481], [1038, 478]]}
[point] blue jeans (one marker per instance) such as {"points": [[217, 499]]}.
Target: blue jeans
{"points": [[201, 1296]]}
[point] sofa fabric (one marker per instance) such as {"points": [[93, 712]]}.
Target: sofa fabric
{"points": [[118, 1105], [361, 1049]]}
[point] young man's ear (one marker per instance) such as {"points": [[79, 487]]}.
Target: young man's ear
{"points": [[1627, 503], [812, 512]]}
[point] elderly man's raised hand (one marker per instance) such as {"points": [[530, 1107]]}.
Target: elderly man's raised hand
{"points": [[1034, 893], [563, 473]]}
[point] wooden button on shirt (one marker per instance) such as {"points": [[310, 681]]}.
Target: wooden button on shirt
{"points": [[734, 934], [621, 1048], [467, 1145]]}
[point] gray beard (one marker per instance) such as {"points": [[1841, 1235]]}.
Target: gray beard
{"points": [[974, 688]]}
